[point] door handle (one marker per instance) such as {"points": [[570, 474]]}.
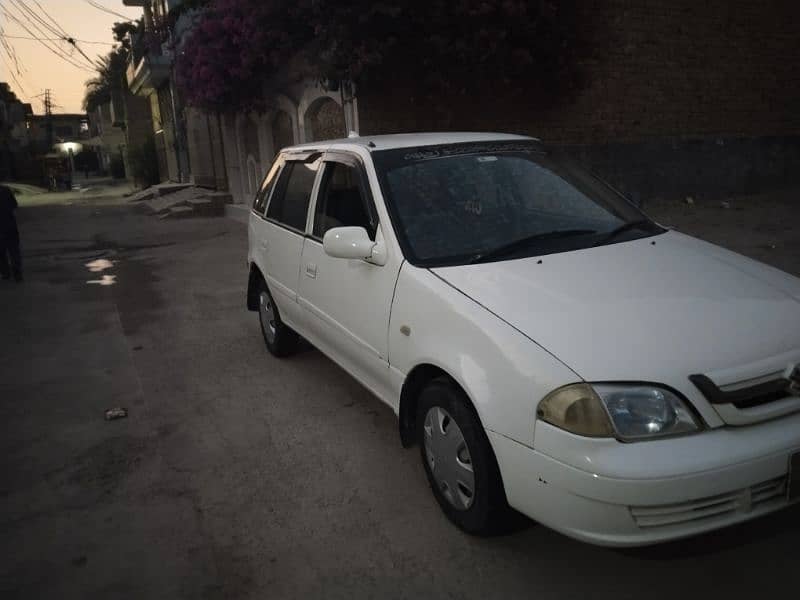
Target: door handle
{"points": [[263, 245], [311, 270]]}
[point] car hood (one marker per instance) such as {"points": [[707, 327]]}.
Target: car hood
{"points": [[654, 309]]}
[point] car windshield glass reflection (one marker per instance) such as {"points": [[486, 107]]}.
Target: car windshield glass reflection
{"points": [[477, 206]]}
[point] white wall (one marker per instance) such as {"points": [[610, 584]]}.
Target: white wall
{"points": [[236, 156]]}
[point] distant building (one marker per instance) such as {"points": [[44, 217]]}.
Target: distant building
{"points": [[57, 128], [149, 76], [15, 117], [107, 137]]}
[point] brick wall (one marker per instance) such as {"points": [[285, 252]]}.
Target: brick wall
{"points": [[709, 76], [651, 68]]}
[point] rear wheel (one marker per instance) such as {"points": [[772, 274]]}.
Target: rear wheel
{"points": [[459, 461], [278, 337]]}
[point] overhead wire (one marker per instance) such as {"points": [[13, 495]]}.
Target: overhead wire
{"points": [[57, 30], [12, 53], [34, 18], [99, 6], [52, 20], [54, 49], [39, 23], [14, 78], [55, 39]]}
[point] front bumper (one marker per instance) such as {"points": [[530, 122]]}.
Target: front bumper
{"points": [[613, 494]]}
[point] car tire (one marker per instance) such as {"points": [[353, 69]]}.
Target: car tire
{"points": [[279, 338], [459, 462]]}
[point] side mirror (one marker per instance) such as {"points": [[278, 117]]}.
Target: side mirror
{"points": [[348, 242]]}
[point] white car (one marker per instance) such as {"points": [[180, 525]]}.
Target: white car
{"points": [[548, 347]]}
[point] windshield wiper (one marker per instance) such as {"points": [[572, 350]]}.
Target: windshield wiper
{"points": [[512, 247], [622, 229]]}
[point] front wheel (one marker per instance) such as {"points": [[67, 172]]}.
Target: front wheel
{"points": [[278, 337], [459, 461]]}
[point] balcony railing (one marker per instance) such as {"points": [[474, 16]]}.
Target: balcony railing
{"points": [[150, 62], [148, 74]]}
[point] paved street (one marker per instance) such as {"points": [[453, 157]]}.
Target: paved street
{"points": [[238, 475]]}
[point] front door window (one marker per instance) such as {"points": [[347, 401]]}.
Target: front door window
{"points": [[341, 201]]}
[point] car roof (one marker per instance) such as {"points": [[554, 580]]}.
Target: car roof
{"points": [[374, 143]]}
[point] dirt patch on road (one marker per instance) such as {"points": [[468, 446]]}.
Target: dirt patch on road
{"points": [[94, 475]]}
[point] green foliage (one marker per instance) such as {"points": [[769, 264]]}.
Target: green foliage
{"points": [[111, 68], [143, 162], [241, 48], [110, 78], [124, 30]]}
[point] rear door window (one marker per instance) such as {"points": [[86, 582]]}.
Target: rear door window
{"points": [[262, 196], [289, 203]]}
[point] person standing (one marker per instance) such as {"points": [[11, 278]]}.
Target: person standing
{"points": [[10, 256]]}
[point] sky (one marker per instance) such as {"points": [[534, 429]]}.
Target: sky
{"points": [[40, 68]]}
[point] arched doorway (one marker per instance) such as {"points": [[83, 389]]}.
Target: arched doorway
{"points": [[249, 136], [324, 120], [252, 175]]}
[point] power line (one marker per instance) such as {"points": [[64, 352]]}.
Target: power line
{"points": [[55, 50], [22, 8], [12, 54], [51, 19], [58, 29], [22, 89], [54, 39], [106, 10], [34, 18]]}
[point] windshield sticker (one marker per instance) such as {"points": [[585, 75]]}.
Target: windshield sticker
{"points": [[459, 149]]}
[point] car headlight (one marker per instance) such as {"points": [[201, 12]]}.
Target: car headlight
{"points": [[576, 408], [630, 412]]}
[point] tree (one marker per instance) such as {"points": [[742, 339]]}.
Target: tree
{"points": [[239, 49], [110, 77], [110, 69]]}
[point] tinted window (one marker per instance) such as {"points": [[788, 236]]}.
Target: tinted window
{"points": [[289, 203], [266, 187], [341, 202]]}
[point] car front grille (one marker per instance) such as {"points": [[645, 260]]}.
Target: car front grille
{"points": [[745, 397], [750, 401], [744, 501]]}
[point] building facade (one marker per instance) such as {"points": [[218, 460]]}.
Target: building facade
{"points": [[675, 98], [14, 137]]}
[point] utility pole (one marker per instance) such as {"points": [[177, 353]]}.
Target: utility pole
{"points": [[48, 111]]}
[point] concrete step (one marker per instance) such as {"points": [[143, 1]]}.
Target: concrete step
{"points": [[198, 201], [206, 207], [143, 195], [177, 212], [165, 189], [157, 191], [219, 197]]}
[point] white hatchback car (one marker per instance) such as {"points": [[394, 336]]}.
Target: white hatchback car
{"points": [[549, 347]]}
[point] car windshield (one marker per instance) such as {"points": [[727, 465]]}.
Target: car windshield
{"points": [[469, 203]]}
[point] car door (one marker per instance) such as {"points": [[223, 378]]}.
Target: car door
{"points": [[257, 224], [348, 301], [282, 230]]}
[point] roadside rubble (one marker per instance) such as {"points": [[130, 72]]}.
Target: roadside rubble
{"points": [[181, 200], [112, 414]]}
